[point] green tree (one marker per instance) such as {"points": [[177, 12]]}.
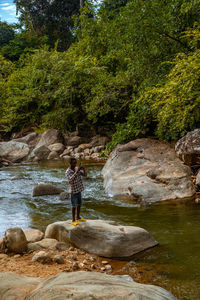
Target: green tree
{"points": [[6, 33], [50, 18]]}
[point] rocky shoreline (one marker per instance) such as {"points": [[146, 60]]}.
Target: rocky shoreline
{"points": [[55, 255], [51, 145]]}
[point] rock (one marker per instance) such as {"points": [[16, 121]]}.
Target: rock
{"points": [[16, 287], [66, 152], [43, 257], [17, 256], [104, 238], [148, 171], [198, 178], [46, 189], [49, 137], [14, 151], [62, 246], [2, 244], [108, 267], [15, 240], [82, 147], [63, 196], [53, 155], [104, 262], [95, 156], [99, 140], [41, 152], [57, 147], [125, 277], [33, 235], [47, 243], [74, 141], [75, 266], [59, 259], [27, 139], [188, 148], [78, 285]]}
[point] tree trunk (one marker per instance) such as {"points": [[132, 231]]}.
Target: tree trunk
{"points": [[81, 3]]}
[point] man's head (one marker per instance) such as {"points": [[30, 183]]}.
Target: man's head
{"points": [[73, 162]]}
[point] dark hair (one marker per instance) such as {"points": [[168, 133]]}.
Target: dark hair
{"points": [[72, 159]]}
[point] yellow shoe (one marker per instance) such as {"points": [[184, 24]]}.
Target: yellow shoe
{"points": [[75, 223], [82, 219]]}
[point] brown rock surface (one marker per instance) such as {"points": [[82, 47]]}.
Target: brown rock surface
{"points": [[147, 170], [188, 148]]}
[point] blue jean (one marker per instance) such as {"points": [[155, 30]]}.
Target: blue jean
{"points": [[76, 199]]}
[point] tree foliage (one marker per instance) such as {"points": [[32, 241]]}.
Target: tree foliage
{"points": [[133, 67], [50, 18], [6, 33]]}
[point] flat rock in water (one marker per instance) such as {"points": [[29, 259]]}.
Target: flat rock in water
{"points": [[46, 189], [104, 238], [148, 171], [78, 285]]}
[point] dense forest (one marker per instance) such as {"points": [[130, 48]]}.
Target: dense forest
{"points": [[132, 66]]}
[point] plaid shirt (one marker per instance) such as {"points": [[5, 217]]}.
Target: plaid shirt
{"points": [[75, 181]]}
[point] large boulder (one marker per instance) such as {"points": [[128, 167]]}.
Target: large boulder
{"points": [[148, 171], [104, 238], [50, 137], [188, 148], [15, 240], [27, 139], [46, 189], [41, 152], [78, 285], [14, 151]]}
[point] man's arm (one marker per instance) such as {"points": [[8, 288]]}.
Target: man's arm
{"points": [[83, 171]]}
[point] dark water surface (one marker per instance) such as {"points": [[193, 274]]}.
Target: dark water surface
{"points": [[174, 265]]}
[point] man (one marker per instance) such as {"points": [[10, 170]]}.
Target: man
{"points": [[74, 174]]}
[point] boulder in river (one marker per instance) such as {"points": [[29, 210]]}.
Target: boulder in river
{"points": [[104, 238], [27, 139], [147, 170], [188, 148], [15, 240], [46, 189], [78, 285], [50, 137], [14, 151]]}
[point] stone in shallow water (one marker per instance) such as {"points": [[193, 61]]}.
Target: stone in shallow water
{"points": [[148, 171]]}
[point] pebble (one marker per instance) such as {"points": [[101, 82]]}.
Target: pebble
{"points": [[108, 267], [81, 265], [103, 269], [197, 200], [75, 266], [74, 257], [93, 259], [71, 248], [59, 259], [17, 256], [85, 262], [104, 262]]}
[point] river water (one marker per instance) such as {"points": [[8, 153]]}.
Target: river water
{"points": [[174, 264]]}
